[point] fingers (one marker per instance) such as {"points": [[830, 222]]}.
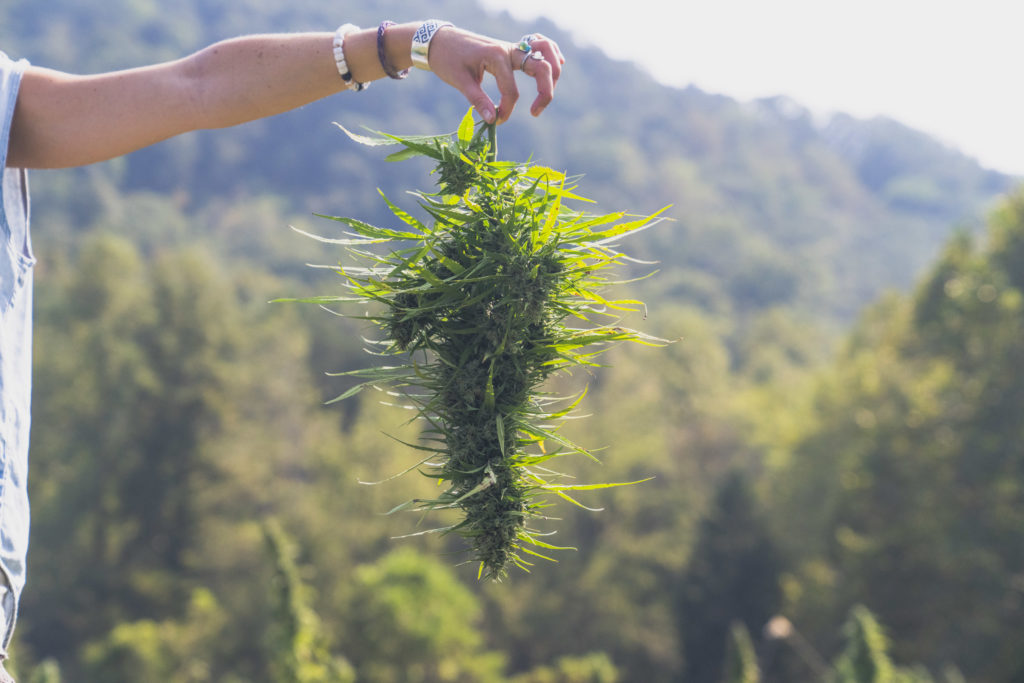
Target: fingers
{"points": [[500, 68], [544, 70], [491, 59], [552, 54], [462, 59]]}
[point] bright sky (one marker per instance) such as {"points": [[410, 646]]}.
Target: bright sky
{"points": [[951, 68]]}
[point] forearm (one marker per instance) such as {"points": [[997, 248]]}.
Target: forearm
{"points": [[64, 120], [257, 76]]}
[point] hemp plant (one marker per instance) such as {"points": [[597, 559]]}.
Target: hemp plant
{"points": [[477, 303]]}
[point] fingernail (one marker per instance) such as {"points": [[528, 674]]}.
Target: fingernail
{"points": [[488, 115]]}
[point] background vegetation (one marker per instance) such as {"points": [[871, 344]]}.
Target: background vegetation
{"points": [[835, 440]]}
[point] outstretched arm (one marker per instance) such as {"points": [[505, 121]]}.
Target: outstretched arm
{"points": [[65, 120]]}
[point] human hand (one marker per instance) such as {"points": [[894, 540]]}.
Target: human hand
{"points": [[460, 58]]}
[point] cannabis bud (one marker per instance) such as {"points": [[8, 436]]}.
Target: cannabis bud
{"points": [[476, 301]]}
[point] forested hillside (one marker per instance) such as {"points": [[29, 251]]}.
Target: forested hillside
{"points": [[837, 461], [771, 206]]}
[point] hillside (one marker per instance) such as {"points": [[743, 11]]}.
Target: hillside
{"points": [[771, 206]]}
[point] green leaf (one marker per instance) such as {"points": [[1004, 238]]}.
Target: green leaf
{"points": [[372, 231], [383, 139], [526, 550], [396, 476], [500, 422], [489, 390], [627, 228], [592, 487], [465, 132], [365, 139], [530, 538], [406, 218], [408, 153]]}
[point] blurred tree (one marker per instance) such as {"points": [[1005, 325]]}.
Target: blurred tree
{"points": [[732, 577], [295, 637], [593, 668], [47, 671], [172, 650], [171, 412], [412, 621], [912, 466], [865, 659], [740, 657]]}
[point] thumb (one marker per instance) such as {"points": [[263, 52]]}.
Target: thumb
{"points": [[480, 101]]}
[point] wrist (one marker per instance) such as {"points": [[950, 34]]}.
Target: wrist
{"points": [[398, 44], [422, 39], [341, 60]]}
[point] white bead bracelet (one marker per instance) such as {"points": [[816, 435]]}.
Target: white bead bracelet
{"points": [[339, 58]]}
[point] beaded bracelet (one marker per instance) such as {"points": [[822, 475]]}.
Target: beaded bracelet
{"points": [[389, 68], [339, 58]]}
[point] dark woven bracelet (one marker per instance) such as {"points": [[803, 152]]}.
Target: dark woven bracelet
{"points": [[382, 55]]}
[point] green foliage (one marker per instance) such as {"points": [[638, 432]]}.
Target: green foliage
{"points": [[296, 638], [477, 302], [592, 668], [148, 650], [156, 402], [411, 620], [740, 657], [733, 575], [865, 658], [47, 671], [915, 425]]}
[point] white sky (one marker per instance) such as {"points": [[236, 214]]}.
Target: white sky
{"points": [[951, 68]]}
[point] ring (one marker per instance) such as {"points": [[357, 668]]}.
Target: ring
{"points": [[530, 55], [524, 43]]}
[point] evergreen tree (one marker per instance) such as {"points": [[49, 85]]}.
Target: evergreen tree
{"points": [[296, 636], [733, 575], [866, 658], [914, 467], [741, 659]]}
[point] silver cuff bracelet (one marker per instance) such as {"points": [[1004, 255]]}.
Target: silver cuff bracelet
{"points": [[421, 42]]}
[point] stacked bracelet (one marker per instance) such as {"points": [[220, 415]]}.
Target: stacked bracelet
{"points": [[421, 41], [382, 54], [339, 58]]}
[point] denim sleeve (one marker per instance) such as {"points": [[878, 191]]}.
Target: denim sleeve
{"points": [[16, 263], [15, 254]]}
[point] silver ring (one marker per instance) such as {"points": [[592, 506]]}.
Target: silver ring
{"points": [[524, 43], [530, 55]]}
